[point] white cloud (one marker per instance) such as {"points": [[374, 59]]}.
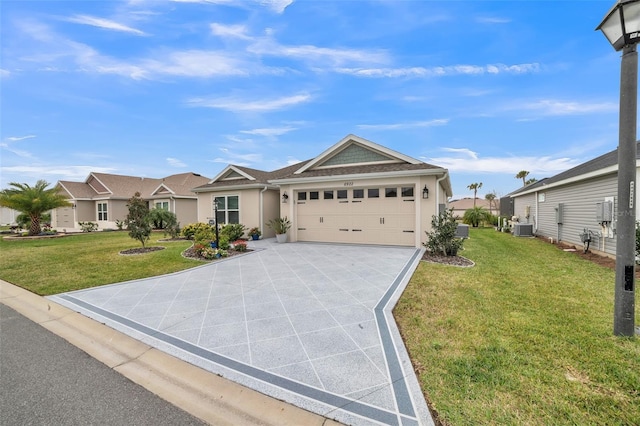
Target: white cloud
{"points": [[103, 23], [269, 132], [244, 105], [407, 125], [323, 55], [4, 73], [196, 63], [555, 107], [492, 20], [20, 138], [174, 162], [232, 31], [60, 172], [470, 162], [441, 71], [277, 6], [7, 145]]}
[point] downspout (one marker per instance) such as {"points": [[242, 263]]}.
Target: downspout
{"points": [[261, 208], [438, 192]]}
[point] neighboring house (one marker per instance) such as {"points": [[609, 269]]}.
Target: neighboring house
{"points": [[102, 198], [584, 197], [8, 216], [354, 192], [462, 205]]}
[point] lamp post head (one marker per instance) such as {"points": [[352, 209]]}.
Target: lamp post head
{"points": [[621, 25]]}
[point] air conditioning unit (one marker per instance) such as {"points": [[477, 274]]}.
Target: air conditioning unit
{"points": [[523, 230], [462, 231]]}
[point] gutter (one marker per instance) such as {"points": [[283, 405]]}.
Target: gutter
{"points": [[261, 208]]}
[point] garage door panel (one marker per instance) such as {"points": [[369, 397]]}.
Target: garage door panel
{"points": [[375, 220]]}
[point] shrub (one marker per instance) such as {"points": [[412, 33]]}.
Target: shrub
{"points": [[162, 219], [442, 238], [240, 245], [88, 226], [204, 235], [233, 231], [280, 225], [254, 231], [475, 216], [190, 230], [120, 224], [223, 244]]}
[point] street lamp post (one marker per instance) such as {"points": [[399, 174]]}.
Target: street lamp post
{"points": [[215, 212], [621, 26]]}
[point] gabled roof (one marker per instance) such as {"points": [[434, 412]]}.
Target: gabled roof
{"points": [[354, 156], [106, 185], [604, 164], [234, 176]]}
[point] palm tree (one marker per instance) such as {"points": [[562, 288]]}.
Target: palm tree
{"points": [[32, 201], [474, 187], [522, 174], [491, 197], [530, 181]]}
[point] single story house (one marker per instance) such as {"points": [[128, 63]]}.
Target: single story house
{"points": [[462, 205], [580, 199], [354, 192], [102, 198]]}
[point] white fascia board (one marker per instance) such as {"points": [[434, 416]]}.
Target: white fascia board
{"points": [[351, 137], [226, 169], [161, 186], [597, 173], [234, 187], [359, 176]]}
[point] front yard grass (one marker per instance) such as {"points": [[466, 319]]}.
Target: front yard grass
{"points": [[57, 265], [524, 337]]}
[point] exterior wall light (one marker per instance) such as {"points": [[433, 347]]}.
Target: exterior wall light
{"points": [[285, 197], [425, 192]]}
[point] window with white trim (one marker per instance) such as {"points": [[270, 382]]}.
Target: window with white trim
{"points": [[228, 209], [102, 211], [162, 205]]}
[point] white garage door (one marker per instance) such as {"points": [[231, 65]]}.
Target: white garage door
{"points": [[384, 215]]}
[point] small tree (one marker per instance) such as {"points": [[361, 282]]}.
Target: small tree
{"points": [[491, 198], [442, 237], [474, 187], [522, 174], [474, 216], [34, 201], [137, 220]]}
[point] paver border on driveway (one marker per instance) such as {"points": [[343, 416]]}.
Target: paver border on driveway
{"points": [[411, 408]]}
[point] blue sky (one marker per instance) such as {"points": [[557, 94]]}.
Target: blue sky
{"points": [[153, 88]]}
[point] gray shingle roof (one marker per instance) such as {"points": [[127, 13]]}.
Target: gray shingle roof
{"points": [[362, 169], [261, 177], [602, 162]]}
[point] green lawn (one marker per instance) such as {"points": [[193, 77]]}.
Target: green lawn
{"points": [[524, 337], [49, 266]]}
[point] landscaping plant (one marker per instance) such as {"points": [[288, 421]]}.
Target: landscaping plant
{"points": [[232, 231], [442, 237], [475, 216], [32, 201], [137, 221]]}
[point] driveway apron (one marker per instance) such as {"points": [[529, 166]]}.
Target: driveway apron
{"points": [[307, 323]]}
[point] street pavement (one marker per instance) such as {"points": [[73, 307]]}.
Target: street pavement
{"points": [[44, 380]]}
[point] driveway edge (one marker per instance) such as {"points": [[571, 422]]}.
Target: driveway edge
{"points": [[205, 395]]}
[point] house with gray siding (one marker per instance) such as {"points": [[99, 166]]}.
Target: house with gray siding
{"points": [[580, 199]]}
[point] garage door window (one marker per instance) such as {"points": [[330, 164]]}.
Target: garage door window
{"points": [[328, 195], [373, 193], [314, 195], [228, 209], [302, 196], [391, 192], [407, 191], [358, 193], [342, 194]]}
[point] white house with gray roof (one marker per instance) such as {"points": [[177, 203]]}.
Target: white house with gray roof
{"points": [[583, 198]]}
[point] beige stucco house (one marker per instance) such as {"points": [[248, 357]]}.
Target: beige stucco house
{"points": [[354, 192], [102, 198]]}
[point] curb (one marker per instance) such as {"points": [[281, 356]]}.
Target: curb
{"points": [[202, 394]]}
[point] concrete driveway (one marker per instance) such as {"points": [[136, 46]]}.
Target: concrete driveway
{"points": [[310, 324]]}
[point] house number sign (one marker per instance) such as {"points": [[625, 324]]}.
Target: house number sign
{"points": [[631, 193], [348, 184]]}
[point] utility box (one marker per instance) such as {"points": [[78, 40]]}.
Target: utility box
{"points": [[462, 231], [523, 230], [604, 212], [559, 213]]}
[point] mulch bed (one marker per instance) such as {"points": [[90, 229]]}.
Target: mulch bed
{"points": [[447, 260], [140, 250], [190, 253]]}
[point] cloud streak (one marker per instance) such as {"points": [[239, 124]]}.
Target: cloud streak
{"points": [[104, 24], [236, 104], [444, 71], [402, 126]]}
